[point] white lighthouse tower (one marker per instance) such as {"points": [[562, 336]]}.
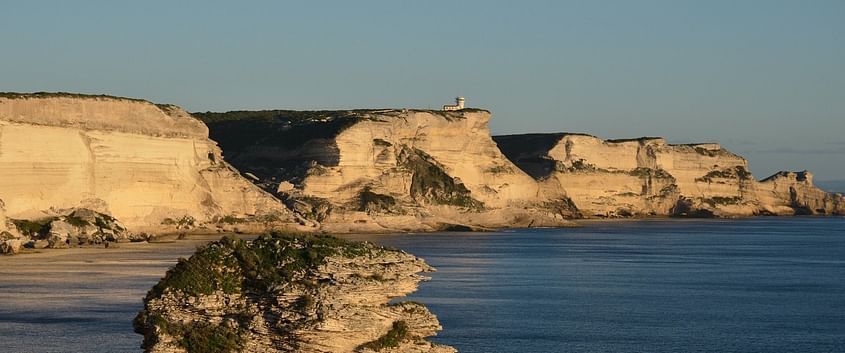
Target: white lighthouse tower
{"points": [[459, 104]]}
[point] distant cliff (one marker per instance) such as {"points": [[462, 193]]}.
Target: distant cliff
{"points": [[141, 167], [150, 166], [385, 170], [284, 293], [647, 176]]}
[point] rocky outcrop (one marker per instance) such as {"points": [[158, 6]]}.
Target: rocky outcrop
{"points": [[647, 176], [64, 229], [133, 160], [385, 170], [75, 227], [10, 238], [283, 293]]}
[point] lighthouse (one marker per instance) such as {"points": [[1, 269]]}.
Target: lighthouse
{"points": [[459, 104]]}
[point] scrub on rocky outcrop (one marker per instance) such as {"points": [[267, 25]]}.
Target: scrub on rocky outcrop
{"points": [[289, 293]]}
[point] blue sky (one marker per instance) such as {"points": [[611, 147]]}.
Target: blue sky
{"points": [[765, 78]]}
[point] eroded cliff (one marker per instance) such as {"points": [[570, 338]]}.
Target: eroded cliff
{"points": [[288, 293], [150, 166], [385, 170], [647, 176]]}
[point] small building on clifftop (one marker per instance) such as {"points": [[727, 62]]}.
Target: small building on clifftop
{"points": [[459, 104]]}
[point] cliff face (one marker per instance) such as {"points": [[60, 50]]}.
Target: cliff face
{"points": [[137, 161], [289, 294], [386, 169], [794, 192], [647, 176]]}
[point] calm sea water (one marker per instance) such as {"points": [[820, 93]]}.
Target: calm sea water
{"points": [[756, 285]]}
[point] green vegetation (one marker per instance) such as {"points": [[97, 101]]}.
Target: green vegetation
{"points": [[706, 152], [232, 265], [430, 183], [582, 165], [721, 200], [373, 202], [411, 307], [104, 221], [229, 219], [392, 338], [16, 95], [564, 207], [268, 218], [76, 221], [637, 139], [203, 337], [214, 267], [33, 228], [499, 169], [743, 173], [730, 173], [184, 221], [197, 336], [648, 172], [232, 219]]}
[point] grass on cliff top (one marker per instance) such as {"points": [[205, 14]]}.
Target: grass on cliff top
{"points": [[633, 139], [232, 265], [17, 95]]}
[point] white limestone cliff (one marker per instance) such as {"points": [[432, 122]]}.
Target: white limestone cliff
{"points": [[139, 162], [385, 170], [647, 176]]}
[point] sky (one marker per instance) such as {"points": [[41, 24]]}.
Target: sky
{"points": [[764, 78]]}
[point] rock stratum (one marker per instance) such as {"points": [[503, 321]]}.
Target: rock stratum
{"points": [[289, 293], [649, 177], [150, 166]]}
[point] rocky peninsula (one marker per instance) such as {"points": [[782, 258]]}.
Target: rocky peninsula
{"points": [[289, 293]]}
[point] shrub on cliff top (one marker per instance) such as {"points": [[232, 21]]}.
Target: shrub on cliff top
{"points": [[233, 265], [392, 338]]}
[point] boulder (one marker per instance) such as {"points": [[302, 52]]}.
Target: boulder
{"points": [[10, 246]]}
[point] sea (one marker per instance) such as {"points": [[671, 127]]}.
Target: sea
{"points": [[748, 285]]}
